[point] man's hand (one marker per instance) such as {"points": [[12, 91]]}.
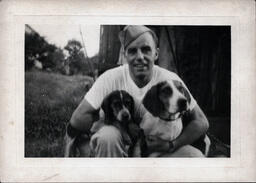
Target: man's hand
{"points": [[156, 144]]}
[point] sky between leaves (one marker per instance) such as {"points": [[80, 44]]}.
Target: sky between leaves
{"points": [[60, 34]]}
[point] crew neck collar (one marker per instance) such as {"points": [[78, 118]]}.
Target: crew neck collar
{"points": [[133, 82]]}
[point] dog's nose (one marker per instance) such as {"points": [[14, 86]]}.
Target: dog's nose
{"points": [[182, 104], [125, 116]]}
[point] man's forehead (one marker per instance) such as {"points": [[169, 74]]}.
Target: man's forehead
{"points": [[132, 32], [146, 39]]}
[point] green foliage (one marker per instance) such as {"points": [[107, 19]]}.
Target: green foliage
{"points": [[50, 100], [37, 48], [73, 47], [58, 59], [53, 58], [34, 44], [76, 59]]}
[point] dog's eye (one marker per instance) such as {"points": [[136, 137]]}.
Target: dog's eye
{"points": [[180, 88], [127, 102], [167, 91], [178, 85], [117, 104]]}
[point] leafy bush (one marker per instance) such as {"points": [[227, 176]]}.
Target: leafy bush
{"points": [[50, 100], [37, 48]]}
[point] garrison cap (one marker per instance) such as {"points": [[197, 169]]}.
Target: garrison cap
{"points": [[132, 32]]}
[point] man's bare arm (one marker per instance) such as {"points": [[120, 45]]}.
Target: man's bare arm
{"points": [[197, 126], [84, 116]]}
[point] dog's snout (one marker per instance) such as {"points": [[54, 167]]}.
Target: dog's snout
{"points": [[125, 116], [182, 104]]}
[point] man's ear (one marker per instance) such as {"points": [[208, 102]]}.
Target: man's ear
{"points": [[126, 94], [124, 51], [157, 53]]}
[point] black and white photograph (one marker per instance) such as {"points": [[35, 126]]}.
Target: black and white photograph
{"points": [[127, 91]]}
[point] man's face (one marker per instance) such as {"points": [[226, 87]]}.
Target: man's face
{"points": [[141, 55]]}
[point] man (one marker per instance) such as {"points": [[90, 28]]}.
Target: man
{"points": [[136, 77]]}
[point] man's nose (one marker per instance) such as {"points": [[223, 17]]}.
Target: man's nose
{"points": [[140, 55]]}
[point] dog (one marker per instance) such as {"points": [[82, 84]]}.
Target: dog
{"points": [[118, 108], [168, 102]]}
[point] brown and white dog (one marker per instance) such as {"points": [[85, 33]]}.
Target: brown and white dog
{"points": [[168, 102], [118, 108]]}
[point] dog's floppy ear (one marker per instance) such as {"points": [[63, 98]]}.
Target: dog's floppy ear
{"points": [[126, 94], [108, 111], [151, 100], [182, 89]]}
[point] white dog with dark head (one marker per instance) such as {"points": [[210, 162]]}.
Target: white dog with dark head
{"points": [[166, 102]]}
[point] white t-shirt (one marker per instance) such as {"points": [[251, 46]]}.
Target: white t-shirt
{"points": [[119, 79]]}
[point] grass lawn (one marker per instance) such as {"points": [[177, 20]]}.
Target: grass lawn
{"points": [[50, 100]]}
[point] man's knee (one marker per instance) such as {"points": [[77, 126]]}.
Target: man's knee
{"points": [[107, 142], [108, 134]]}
